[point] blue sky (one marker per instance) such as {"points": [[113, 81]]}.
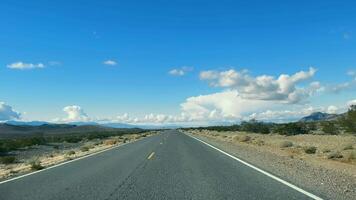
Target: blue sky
{"points": [[148, 39]]}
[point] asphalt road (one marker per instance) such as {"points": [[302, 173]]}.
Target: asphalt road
{"points": [[170, 165]]}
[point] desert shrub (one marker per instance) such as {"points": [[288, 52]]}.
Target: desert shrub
{"points": [[285, 144], [325, 150], [259, 142], [329, 127], [84, 148], [255, 127], [36, 165], [69, 153], [309, 149], [350, 156], [110, 142], [347, 147], [125, 140], [7, 159], [348, 122], [291, 128], [335, 155], [244, 138]]}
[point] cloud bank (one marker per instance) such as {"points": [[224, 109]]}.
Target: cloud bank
{"points": [[7, 113]]}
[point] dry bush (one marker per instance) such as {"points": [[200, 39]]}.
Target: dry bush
{"points": [[347, 147], [325, 150], [7, 159], [259, 142], [110, 142], [286, 144], [244, 138], [335, 155], [36, 165], [309, 149], [349, 156], [84, 148], [69, 153]]}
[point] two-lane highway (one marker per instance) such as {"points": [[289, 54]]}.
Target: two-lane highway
{"points": [[170, 165]]}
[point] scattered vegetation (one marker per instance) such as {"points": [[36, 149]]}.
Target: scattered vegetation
{"points": [[346, 123], [286, 144], [335, 155], [310, 150], [69, 153], [7, 160], [10, 144], [36, 165], [84, 148], [350, 156], [244, 138], [348, 147]]}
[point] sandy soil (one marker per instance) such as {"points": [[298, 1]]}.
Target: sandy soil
{"points": [[46, 155], [293, 158]]}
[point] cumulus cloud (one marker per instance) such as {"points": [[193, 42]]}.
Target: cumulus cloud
{"points": [[21, 65], [180, 71], [7, 113], [281, 115], [110, 62], [352, 102], [74, 114], [264, 87], [226, 105]]}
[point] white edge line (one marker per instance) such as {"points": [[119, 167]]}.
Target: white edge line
{"points": [[66, 162], [261, 171]]}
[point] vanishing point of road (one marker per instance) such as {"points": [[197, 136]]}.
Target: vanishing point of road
{"points": [[169, 165]]}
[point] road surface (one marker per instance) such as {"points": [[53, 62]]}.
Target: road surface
{"points": [[170, 165]]}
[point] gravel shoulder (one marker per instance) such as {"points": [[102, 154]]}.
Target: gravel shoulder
{"points": [[316, 172]]}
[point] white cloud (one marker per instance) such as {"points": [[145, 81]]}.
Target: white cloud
{"points": [[281, 115], [21, 65], [264, 87], [352, 102], [176, 72], [227, 105], [332, 109], [7, 113], [74, 114], [180, 71], [110, 62]]}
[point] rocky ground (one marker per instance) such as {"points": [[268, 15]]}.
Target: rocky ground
{"points": [[42, 156], [325, 165]]}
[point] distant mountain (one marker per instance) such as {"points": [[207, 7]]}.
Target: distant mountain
{"points": [[319, 116], [119, 125], [30, 123], [84, 123]]}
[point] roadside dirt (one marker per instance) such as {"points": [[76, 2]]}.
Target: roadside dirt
{"points": [[329, 172]]}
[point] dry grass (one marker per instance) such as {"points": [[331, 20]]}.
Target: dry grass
{"points": [[330, 147], [110, 142], [286, 144]]}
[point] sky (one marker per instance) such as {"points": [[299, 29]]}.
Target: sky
{"points": [[175, 62]]}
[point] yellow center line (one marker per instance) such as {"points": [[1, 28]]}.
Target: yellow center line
{"points": [[151, 155]]}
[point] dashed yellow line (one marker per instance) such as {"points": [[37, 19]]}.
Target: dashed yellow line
{"points": [[151, 155]]}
